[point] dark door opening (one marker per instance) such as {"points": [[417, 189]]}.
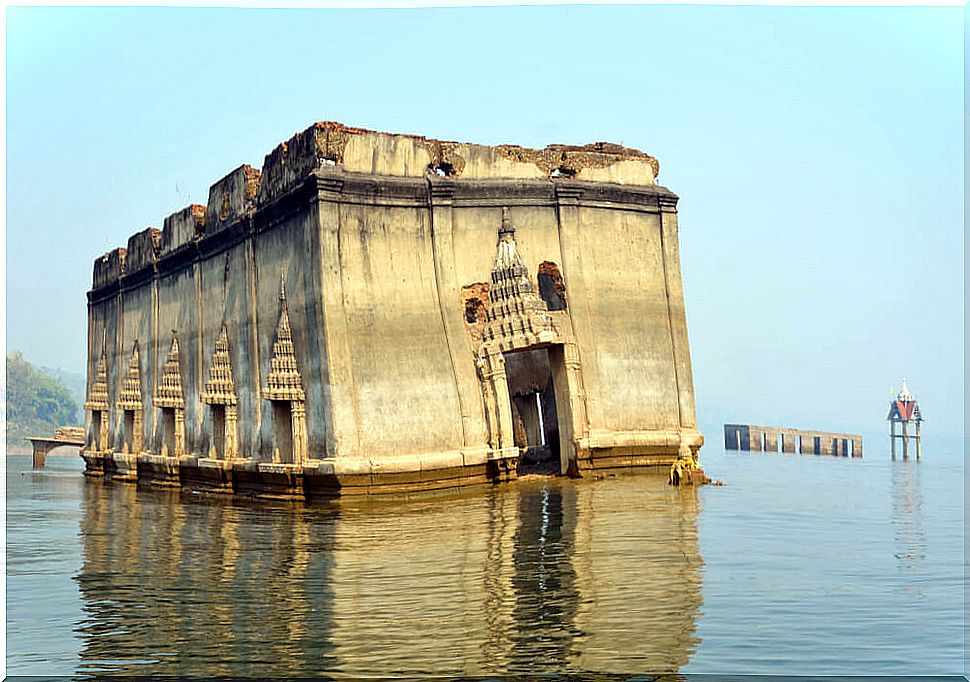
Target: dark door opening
{"points": [[168, 431], [283, 430], [535, 416], [96, 430], [219, 430], [129, 431]]}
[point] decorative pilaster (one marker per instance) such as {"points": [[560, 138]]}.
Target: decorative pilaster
{"points": [[299, 432], [220, 389], [97, 402], [130, 400], [169, 396], [497, 392], [676, 316], [284, 382]]}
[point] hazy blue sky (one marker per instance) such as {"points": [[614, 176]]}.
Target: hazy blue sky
{"points": [[818, 153]]}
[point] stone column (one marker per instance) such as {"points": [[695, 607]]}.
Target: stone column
{"points": [[676, 312], [231, 443], [771, 440], [136, 436], [754, 439], [570, 404], [102, 442], [499, 388], [574, 278], [788, 443], [179, 432], [298, 412], [39, 454]]}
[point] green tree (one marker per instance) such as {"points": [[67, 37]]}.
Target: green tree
{"points": [[36, 402]]}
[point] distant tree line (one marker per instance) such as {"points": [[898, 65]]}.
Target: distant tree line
{"points": [[36, 402]]}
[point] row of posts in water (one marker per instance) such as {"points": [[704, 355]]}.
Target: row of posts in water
{"points": [[772, 439]]}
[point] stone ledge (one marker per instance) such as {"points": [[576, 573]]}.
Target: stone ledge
{"points": [[660, 438], [275, 468], [209, 463]]}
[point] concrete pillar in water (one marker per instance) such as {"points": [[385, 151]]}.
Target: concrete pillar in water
{"points": [[40, 454], [754, 439], [788, 443]]}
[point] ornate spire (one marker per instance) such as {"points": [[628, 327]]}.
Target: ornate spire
{"points": [[169, 393], [130, 398], [220, 389], [98, 395], [904, 393], [283, 382], [515, 307]]}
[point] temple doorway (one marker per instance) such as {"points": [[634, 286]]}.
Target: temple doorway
{"points": [[535, 413], [219, 430], [168, 431], [128, 432], [283, 431]]}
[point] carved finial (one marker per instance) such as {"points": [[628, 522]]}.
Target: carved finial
{"points": [[506, 223], [282, 287]]}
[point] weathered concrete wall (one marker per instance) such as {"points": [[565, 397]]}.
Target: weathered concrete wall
{"points": [[621, 321], [407, 401], [137, 303], [104, 334], [376, 238], [179, 302], [282, 251]]}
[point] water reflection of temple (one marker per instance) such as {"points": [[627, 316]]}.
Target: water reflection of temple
{"points": [[550, 576], [207, 588], [908, 534]]}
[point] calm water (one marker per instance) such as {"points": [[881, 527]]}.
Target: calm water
{"points": [[799, 564]]}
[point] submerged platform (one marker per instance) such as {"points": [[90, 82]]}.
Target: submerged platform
{"points": [[321, 479]]}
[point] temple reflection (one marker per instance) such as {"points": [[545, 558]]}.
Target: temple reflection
{"points": [[175, 586], [908, 534], [548, 575]]}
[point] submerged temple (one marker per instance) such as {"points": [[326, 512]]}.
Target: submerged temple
{"points": [[382, 313]]}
